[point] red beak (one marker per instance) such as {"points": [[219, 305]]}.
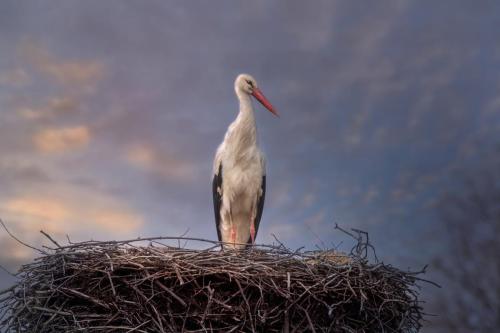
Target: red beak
{"points": [[263, 100]]}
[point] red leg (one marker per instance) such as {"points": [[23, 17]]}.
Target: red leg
{"points": [[252, 231], [252, 224], [233, 229], [233, 234]]}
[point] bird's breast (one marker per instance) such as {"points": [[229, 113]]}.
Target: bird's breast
{"points": [[242, 178]]}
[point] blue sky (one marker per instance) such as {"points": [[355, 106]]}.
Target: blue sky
{"points": [[110, 113]]}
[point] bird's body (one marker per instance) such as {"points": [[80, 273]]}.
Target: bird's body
{"points": [[239, 173]]}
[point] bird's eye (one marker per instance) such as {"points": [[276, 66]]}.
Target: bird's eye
{"points": [[250, 83]]}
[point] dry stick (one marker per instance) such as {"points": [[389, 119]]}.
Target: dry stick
{"points": [[311, 325], [87, 297], [168, 290], [141, 239], [20, 241], [50, 238], [248, 305], [8, 272]]}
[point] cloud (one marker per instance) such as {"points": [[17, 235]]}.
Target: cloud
{"points": [[313, 29], [30, 113], [26, 216], [283, 231], [61, 209], [43, 209], [62, 104], [280, 195], [347, 190], [83, 73], [18, 172], [17, 77], [13, 253], [317, 219], [400, 195], [58, 140], [158, 162], [493, 106], [370, 194], [113, 220], [308, 199], [66, 215], [55, 106]]}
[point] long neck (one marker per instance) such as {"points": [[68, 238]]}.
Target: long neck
{"points": [[243, 129], [246, 110]]}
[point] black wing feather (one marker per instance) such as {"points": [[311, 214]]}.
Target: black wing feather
{"points": [[260, 207], [217, 184]]}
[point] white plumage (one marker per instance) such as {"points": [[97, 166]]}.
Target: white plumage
{"points": [[239, 172]]}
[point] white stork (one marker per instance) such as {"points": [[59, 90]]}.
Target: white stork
{"points": [[239, 184]]}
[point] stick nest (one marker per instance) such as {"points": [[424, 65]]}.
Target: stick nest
{"points": [[121, 286]]}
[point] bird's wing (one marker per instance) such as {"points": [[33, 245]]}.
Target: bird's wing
{"points": [[260, 205], [217, 196]]}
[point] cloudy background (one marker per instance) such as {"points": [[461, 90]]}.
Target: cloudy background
{"points": [[110, 113]]}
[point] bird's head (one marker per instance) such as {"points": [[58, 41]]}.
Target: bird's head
{"points": [[246, 84]]}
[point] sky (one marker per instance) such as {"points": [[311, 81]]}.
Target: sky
{"points": [[111, 112]]}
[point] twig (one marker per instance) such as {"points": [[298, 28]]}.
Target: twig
{"points": [[20, 241], [50, 238]]}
